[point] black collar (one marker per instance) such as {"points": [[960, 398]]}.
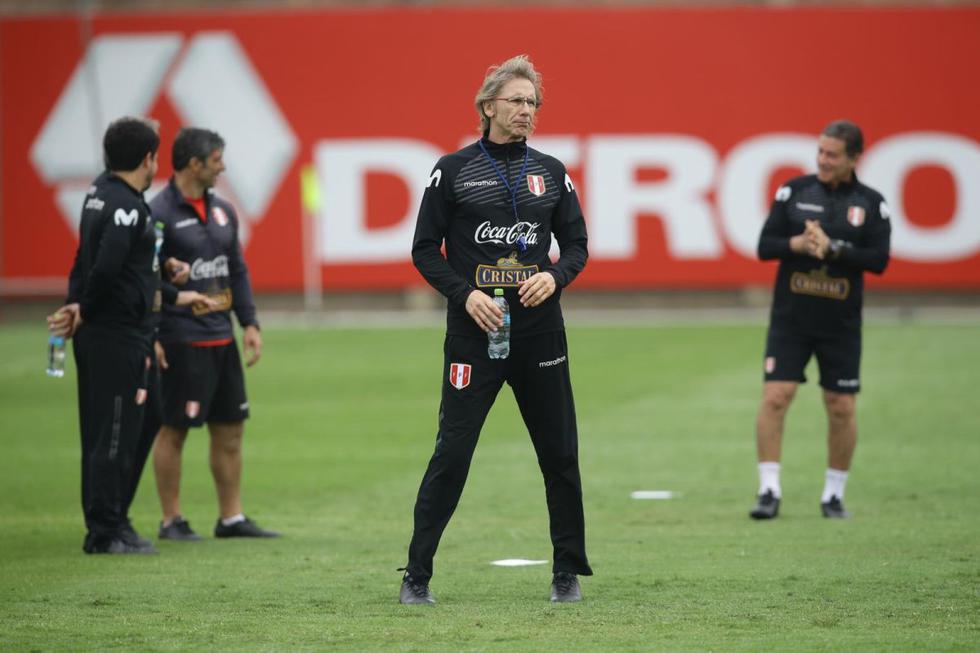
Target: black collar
{"points": [[116, 179], [172, 185], [512, 150], [844, 186]]}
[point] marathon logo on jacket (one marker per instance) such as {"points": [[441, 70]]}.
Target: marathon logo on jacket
{"points": [[486, 232], [220, 216], [201, 269], [459, 375], [535, 184], [507, 273], [855, 215], [804, 206], [185, 223], [94, 203], [818, 284]]}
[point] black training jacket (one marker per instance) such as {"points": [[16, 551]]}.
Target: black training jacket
{"points": [[467, 206], [212, 249], [116, 274], [825, 296]]}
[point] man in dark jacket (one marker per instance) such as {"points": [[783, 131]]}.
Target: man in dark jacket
{"points": [[201, 369], [114, 290], [495, 204], [826, 230]]}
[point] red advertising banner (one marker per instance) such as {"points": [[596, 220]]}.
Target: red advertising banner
{"points": [[676, 125]]}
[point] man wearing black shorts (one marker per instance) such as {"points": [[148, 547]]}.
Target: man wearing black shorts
{"points": [[114, 292], [495, 204], [200, 366], [826, 230]]}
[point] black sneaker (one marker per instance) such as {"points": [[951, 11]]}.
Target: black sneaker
{"points": [[119, 546], [244, 528], [834, 509], [766, 506], [415, 592], [178, 529], [564, 588], [130, 536]]}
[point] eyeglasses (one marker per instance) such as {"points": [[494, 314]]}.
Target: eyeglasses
{"points": [[517, 101]]}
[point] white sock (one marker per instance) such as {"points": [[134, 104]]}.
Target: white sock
{"points": [[769, 479], [834, 485], [233, 520]]}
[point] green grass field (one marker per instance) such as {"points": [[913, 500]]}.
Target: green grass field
{"points": [[343, 425]]}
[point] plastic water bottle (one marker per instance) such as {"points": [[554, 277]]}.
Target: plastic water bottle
{"points": [[499, 340], [56, 356]]}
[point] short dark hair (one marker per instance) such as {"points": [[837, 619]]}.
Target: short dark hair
{"points": [[194, 143], [848, 132], [127, 141]]}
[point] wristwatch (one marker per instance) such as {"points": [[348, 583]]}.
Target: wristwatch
{"points": [[835, 248]]}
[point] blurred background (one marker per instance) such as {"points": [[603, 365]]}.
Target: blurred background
{"points": [[677, 122]]}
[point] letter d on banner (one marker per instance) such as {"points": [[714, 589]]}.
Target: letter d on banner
{"points": [[342, 166]]}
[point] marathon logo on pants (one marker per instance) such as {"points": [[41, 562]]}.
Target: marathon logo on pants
{"points": [[459, 375], [192, 409]]}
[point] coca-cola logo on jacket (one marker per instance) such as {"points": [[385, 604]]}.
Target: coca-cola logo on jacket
{"points": [[487, 232]]}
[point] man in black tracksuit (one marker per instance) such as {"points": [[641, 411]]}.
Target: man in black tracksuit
{"points": [[826, 230], [496, 204], [202, 372], [114, 290]]}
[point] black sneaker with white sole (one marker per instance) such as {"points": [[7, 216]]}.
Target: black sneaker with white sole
{"points": [[766, 506], [415, 592], [179, 529], [565, 588], [130, 536], [118, 546], [834, 509], [244, 528]]}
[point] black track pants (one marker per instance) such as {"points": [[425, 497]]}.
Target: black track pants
{"points": [[111, 410], [537, 371]]}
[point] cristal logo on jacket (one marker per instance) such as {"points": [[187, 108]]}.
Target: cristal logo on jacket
{"points": [[201, 269], [488, 233]]}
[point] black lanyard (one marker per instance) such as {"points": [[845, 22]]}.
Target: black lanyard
{"points": [[521, 241]]}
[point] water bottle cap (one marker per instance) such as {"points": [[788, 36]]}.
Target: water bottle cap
{"points": [[498, 292]]}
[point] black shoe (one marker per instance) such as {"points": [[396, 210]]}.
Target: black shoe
{"points": [[130, 536], [245, 528], [415, 592], [564, 588], [766, 506], [834, 509], [178, 529], [119, 546]]}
